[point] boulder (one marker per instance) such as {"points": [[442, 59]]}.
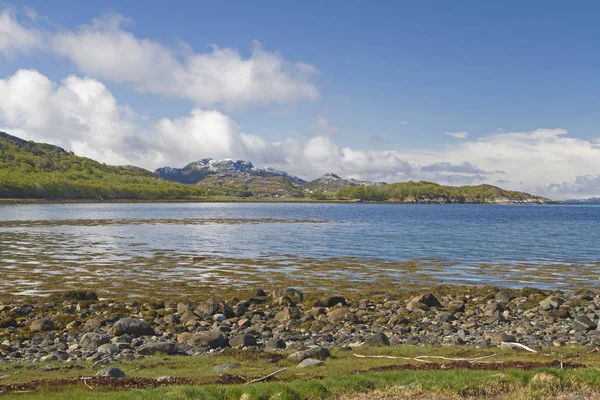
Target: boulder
{"points": [[377, 339], [293, 294], [131, 326], [288, 313], [275, 343], [310, 362], [211, 307], [427, 299], [211, 339], [335, 300], [111, 372], [341, 314], [320, 353], [107, 349], [42, 325], [148, 349], [584, 323], [92, 340], [242, 341]]}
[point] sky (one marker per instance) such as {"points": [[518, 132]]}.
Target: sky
{"points": [[460, 93]]}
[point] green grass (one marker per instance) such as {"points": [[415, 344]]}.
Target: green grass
{"points": [[336, 379]]}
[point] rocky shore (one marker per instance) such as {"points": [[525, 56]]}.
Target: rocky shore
{"points": [[76, 326]]}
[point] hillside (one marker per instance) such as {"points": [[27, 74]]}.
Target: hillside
{"points": [[429, 192], [36, 170]]}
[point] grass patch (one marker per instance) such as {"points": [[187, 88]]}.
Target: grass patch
{"points": [[337, 379]]}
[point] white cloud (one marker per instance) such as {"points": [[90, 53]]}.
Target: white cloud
{"points": [[458, 135], [403, 122], [219, 77], [81, 114], [14, 37]]}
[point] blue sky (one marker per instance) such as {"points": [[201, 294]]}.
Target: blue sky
{"points": [[388, 80]]}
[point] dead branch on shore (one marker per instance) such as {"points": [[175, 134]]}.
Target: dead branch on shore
{"points": [[422, 358], [264, 378], [515, 345]]}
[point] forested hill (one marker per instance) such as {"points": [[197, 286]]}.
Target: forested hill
{"points": [[429, 192], [36, 170]]}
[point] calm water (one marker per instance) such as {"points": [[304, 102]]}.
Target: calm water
{"points": [[465, 235], [462, 233]]}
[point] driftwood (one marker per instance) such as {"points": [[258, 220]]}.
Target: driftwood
{"points": [[514, 345], [421, 358], [264, 378]]}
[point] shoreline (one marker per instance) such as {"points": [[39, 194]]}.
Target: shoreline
{"points": [[252, 200], [287, 318], [48, 345]]}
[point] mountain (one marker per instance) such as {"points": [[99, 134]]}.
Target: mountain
{"points": [[332, 182], [228, 168], [38, 170]]}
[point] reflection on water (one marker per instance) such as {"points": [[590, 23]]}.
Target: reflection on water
{"points": [[206, 245]]}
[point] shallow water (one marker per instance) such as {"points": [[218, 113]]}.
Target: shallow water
{"points": [[514, 245]]}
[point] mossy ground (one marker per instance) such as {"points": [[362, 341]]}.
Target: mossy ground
{"points": [[337, 378]]}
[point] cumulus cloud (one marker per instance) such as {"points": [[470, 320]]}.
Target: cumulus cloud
{"points": [[458, 135], [81, 114], [584, 186], [15, 38], [221, 76]]}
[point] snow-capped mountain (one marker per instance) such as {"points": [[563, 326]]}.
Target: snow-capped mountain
{"points": [[332, 182], [198, 170]]}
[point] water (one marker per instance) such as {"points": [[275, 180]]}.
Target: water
{"points": [[462, 236]]}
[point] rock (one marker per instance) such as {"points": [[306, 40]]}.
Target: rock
{"points": [[549, 303], [293, 294], [42, 325], [310, 362], [211, 339], [502, 337], [219, 317], [111, 372], [8, 323], [504, 295], [335, 300], [288, 313], [320, 353], [91, 340], [131, 326], [377, 339], [275, 343], [107, 349], [493, 307], [427, 299], [148, 349], [242, 341], [49, 357], [584, 323], [225, 367], [184, 306], [456, 306], [341, 314], [93, 323], [211, 307]]}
